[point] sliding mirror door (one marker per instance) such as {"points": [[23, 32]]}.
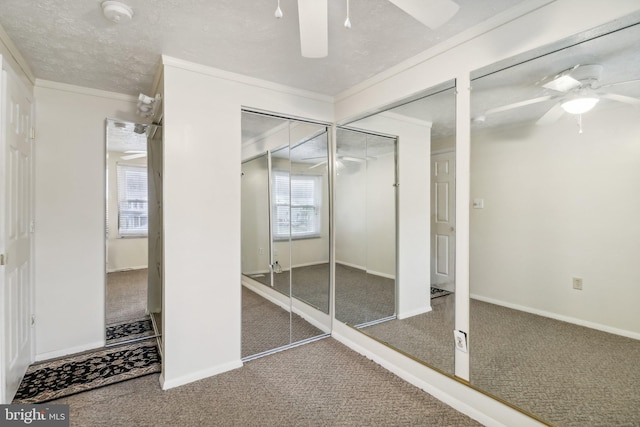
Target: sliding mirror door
{"points": [[285, 233], [555, 235], [415, 313], [127, 230]]}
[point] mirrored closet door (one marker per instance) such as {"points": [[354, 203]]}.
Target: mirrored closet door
{"points": [[395, 176], [285, 233], [133, 221], [554, 236]]}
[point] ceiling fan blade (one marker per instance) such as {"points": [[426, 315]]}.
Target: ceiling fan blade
{"points": [[318, 164], [618, 83], [517, 105], [562, 84], [352, 159], [621, 98], [431, 13], [134, 156], [551, 116], [314, 28]]}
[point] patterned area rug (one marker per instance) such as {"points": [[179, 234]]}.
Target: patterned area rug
{"points": [[437, 293], [129, 330], [69, 375]]}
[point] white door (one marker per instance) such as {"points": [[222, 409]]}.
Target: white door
{"points": [[443, 220], [15, 234]]}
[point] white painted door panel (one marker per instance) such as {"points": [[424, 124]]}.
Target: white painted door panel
{"points": [[443, 220], [15, 234]]}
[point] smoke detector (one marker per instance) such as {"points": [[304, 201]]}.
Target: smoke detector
{"points": [[117, 12]]}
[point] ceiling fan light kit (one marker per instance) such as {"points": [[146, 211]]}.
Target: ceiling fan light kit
{"points": [[580, 104]]}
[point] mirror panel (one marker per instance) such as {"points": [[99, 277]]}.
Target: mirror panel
{"points": [[424, 304], [131, 294], [554, 240], [286, 212]]}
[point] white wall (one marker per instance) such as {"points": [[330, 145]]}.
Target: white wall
{"points": [[202, 140], [70, 214], [414, 228], [559, 205], [131, 252]]}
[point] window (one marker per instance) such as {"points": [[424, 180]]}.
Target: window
{"points": [[133, 217], [302, 215]]}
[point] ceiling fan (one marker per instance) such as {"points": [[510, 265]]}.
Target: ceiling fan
{"points": [[313, 20], [575, 90], [134, 154]]}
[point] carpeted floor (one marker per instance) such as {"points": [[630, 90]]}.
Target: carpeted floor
{"points": [[319, 384], [266, 326], [126, 295], [86, 371]]}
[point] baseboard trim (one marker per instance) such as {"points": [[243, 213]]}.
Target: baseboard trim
{"points": [[477, 405], [560, 317], [67, 351], [412, 313], [198, 375], [138, 267]]}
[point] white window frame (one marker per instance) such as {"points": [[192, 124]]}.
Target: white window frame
{"points": [[283, 188], [133, 209]]}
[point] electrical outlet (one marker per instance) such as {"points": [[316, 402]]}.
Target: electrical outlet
{"points": [[577, 283], [460, 339]]}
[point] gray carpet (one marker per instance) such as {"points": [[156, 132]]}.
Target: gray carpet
{"points": [[265, 326], [319, 384], [567, 374], [126, 295]]}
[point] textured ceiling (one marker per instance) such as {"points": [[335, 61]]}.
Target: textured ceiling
{"points": [[69, 41]]}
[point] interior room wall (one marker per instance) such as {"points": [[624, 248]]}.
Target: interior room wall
{"points": [[255, 217], [70, 214], [202, 140], [414, 228], [122, 253], [558, 205]]}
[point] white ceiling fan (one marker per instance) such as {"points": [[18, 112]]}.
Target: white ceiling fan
{"points": [[313, 20], [576, 91], [134, 154]]}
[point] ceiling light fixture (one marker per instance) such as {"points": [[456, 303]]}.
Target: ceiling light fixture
{"points": [[278, 14], [117, 12], [347, 22], [580, 103]]}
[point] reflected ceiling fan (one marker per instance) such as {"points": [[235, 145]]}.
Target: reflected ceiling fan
{"points": [[134, 154], [313, 20], [340, 160], [575, 90]]}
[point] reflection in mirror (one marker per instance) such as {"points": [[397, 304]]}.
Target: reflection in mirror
{"points": [[555, 236], [133, 292], [285, 233], [425, 128], [365, 220]]}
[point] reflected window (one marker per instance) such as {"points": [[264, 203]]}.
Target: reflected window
{"points": [[133, 217], [302, 215]]}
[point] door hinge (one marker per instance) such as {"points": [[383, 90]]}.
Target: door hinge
{"points": [[33, 320], [32, 134], [2, 259]]}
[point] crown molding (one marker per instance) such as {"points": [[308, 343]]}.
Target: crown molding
{"points": [[241, 78], [48, 84]]}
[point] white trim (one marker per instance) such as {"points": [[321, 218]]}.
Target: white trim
{"points": [[281, 127], [348, 264], [195, 376], [267, 293], [68, 351], [443, 151], [459, 396], [48, 84], [402, 316], [492, 23], [137, 267], [312, 315], [377, 273], [406, 119], [556, 316], [240, 78], [13, 54]]}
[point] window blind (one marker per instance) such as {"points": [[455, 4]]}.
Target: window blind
{"points": [[297, 203], [133, 217]]}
